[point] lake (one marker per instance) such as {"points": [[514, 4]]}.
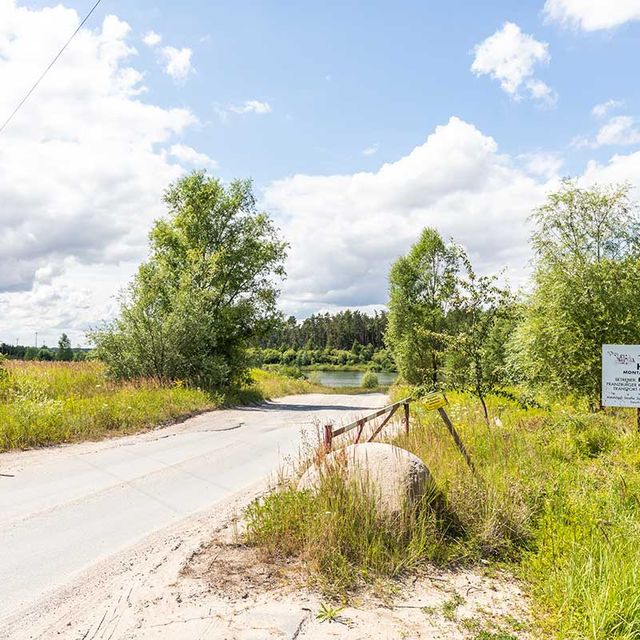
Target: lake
{"points": [[330, 378]]}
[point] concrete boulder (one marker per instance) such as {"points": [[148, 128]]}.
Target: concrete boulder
{"points": [[396, 476]]}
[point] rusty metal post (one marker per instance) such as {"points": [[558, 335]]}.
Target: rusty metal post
{"points": [[406, 418], [328, 436]]}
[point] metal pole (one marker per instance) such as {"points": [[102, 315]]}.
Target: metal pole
{"points": [[638, 418]]}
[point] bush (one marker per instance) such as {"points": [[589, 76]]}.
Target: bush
{"points": [[369, 380]]}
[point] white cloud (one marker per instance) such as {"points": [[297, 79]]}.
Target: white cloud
{"points": [[601, 110], [177, 62], [152, 39], [592, 15], [620, 130], [371, 150], [345, 230], [251, 106], [511, 57], [190, 156], [542, 163], [82, 167]]}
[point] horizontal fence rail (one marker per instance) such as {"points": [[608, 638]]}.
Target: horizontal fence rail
{"points": [[435, 401], [330, 433]]}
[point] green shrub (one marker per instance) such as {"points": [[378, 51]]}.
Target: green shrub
{"points": [[369, 380]]}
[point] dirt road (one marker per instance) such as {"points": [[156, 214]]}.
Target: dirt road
{"points": [[66, 510]]}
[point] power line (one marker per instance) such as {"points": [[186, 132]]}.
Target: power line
{"points": [[44, 73]]}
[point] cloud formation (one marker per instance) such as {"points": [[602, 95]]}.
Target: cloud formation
{"points": [[619, 130], [370, 150], [82, 164], [251, 106], [152, 39], [190, 156], [177, 62], [602, 109], [592, 15], [345, 230], [511, 57]]}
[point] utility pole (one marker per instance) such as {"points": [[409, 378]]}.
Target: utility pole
{"points": [[36, 339]]}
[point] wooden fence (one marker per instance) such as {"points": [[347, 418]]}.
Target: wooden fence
{"points": [[432, 402]]}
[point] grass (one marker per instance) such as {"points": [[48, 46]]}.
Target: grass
{"points": [[558, 503], [46, 403]]}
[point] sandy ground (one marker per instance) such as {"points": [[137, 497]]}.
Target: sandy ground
{"points": [[64, 510], [195, 581]]}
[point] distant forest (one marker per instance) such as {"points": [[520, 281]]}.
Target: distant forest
{"points": [[326, 331]]}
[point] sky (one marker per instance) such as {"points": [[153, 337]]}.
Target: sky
{"points": [[360, 123]]}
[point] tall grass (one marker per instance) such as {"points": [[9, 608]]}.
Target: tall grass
{"points": [[557, 500], [44, 403]]}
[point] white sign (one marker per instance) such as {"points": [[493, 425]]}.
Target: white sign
{"points": [[621, 375]]}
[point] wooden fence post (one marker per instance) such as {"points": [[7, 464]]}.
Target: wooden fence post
{"points": [[457, 439], [328, 436], [406, 418]]}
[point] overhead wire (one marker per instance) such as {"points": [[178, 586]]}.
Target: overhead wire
{"points": [[44, 73]]}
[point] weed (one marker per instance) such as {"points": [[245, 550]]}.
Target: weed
{"points": [[328, 613], [450, 606]]}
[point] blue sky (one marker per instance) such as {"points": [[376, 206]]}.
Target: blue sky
{"points": [[396, 70], [360, 123]]}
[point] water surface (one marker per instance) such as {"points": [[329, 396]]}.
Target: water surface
{"points": [[329, 378]]}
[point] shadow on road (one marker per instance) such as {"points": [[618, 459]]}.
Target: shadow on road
{"points": [[274, 406]]}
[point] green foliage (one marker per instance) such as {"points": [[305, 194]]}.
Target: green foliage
{"points": [[44, 353], [340, 534], [308, 358], [329, 613], [328, 331], [370, 380], [45, 403], [65, 352], [587, 289], [421, 285], [475, 355], [205, 294]]}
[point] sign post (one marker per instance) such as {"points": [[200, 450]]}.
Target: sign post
{"points": [[621, 376]]}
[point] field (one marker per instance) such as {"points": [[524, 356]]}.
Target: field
{"points": [[557, 503], [44, 403]]}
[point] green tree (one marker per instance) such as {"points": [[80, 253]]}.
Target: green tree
{"points": [[476, 359], [65, 352], [44, 353], [206, 293], [587, 288], [421, 293]]}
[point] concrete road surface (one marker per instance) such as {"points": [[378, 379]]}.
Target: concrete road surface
{"points": [[66, 508]]}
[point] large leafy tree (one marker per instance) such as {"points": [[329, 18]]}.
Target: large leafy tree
{"points": [[421, 294], [587, 288], [207, 291]]}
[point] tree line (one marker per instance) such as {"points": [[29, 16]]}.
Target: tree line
{"points": [[63, 353], [341, 330], [205, 301]]}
